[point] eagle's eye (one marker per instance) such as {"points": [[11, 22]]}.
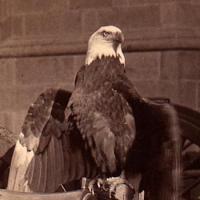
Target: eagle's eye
{"points": [[105, 33]]}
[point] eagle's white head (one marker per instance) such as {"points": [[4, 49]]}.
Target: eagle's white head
{"points": [[106, 41]]}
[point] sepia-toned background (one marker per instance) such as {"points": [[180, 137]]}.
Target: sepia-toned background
{"points": [[43, 44]]}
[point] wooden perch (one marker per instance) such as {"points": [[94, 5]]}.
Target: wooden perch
{"points": [[11, 195]]}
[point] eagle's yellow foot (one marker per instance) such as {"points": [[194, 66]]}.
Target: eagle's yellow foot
{"points": [[117, 181]]}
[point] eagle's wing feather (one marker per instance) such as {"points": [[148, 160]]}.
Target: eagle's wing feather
{"points": [[46, 155]]}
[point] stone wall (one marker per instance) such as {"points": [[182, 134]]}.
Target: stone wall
{"points": [[43, 43]]}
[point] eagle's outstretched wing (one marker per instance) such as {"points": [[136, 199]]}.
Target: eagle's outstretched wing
{"points": [[47, 154]]}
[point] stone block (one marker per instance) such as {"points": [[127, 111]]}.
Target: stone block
{"points": [[24, 7], [142, 2], [71, 24], [181, 92], [168, 14], [12, 121], [18, 118], [35, 70], [168, 89], [7, 72], [7, 99], [7, 121], [189, 65], [39, 24], [67, 24], [79, 60], [109, 16], [188, 15], [89, 20], [147, 88], [120, 3], [26, 95], [62, 6], [33, 24], [65, 70], [69, 86], [188, 94], [198, 96], [169, 69], [180, 65], [143, 65], [194, 1], [44, 70], [130, 17], [3, 9], [5, 29], [17, 26], [79, 4]]}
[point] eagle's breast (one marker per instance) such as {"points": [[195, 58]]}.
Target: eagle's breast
{"points": [[103, 115]]}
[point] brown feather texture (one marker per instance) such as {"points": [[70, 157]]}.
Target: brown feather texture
{"points": [[102, 128]]}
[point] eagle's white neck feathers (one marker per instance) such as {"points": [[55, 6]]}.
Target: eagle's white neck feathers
{"points": [[98, 46]]}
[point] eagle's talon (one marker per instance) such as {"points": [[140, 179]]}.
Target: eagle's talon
{"points": [[112, 193], [91, 186], [115, 182], [99, 183], [112, 190]]}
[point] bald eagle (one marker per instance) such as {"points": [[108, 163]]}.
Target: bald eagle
{"points": [[104, 128]]}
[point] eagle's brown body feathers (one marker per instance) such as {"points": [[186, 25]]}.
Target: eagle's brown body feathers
{"points": [[102, 114]]}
